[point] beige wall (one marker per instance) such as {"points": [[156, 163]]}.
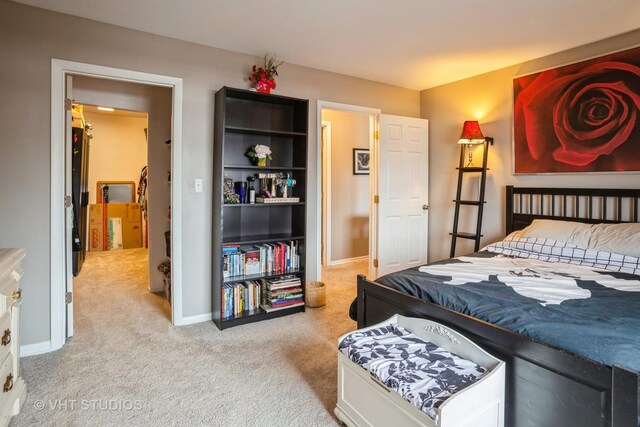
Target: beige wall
{"points": [[488, 98], [118, 149], [349, 192], [30, 38]]}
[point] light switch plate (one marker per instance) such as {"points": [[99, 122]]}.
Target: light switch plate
{"points": [[198, 185]]}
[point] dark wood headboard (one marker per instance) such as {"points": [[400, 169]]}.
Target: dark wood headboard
{"points": [[590, 205]]}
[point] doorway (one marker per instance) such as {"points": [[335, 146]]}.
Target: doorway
{"points": [[61, 244], [347, 145], [345, 186]]}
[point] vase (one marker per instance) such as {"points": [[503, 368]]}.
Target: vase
{"points": [[262, 161], [264, 85]]}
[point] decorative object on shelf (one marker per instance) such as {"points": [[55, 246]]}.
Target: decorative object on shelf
{"points": [[230, 196], [361, 158], [264, 77], [252, 190], [273, 200], [580, 117], [259, 154], [241, 191], [268, 184], [471, 135], [283, 182]]}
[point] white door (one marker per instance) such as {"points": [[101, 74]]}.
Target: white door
{"points": [[68, 211], [403, 193]]}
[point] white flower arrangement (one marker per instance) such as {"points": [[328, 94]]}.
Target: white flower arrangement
{"points": [[259, 152]]}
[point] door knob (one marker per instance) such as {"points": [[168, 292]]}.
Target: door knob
{"points": [[425, 207]]}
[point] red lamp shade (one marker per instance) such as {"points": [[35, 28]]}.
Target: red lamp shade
{"points": [[471, 133]]}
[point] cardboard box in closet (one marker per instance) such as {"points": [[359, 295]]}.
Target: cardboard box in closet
{"points": [[130, 215]]}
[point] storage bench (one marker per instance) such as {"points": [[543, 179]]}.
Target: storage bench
{"points": [[415, 372]]}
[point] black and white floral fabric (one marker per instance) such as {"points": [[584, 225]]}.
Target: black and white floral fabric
{"points": [[420, 371]]}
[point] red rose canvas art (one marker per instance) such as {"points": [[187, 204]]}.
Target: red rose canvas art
{"points": [[583, 117]]}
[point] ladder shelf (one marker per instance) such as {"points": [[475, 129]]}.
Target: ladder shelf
{"points": [[479, 204]]}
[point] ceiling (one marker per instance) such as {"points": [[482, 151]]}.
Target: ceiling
{"points": [[116, 112], [415, 44]]}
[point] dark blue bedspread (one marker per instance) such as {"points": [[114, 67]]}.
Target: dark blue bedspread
{"points": [[604, 328]]}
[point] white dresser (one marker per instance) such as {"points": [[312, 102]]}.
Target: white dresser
{"points": [[14, 390]]}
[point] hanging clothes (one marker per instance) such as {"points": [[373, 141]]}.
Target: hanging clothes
{"points": [[142, 191]]}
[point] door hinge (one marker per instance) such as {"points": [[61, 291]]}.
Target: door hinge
{"points": [[67, 201], [375, 262], [376, 135], [68, 297], [376, 199], [68, 104]]}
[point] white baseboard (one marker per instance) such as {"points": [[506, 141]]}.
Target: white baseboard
{"points": [[33, 349], [349, 260], [190, 320]]}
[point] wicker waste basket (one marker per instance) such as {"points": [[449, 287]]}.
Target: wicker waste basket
{"points": [[316, 294]]}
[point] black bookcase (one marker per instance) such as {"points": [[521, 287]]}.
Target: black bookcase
{"points": [[243, 119]]}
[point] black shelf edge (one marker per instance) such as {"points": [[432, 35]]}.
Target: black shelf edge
{"points": [[260, 238], [267, 168], [252, 95], [245, 205], [266, 132], [469, 202], [240, 279], [472, 169], [470, 236], [257, 315]]}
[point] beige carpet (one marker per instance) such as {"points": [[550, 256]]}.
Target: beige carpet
{"points": [[127, 365]]}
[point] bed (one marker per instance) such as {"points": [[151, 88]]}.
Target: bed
{"points": [[547, 384]]}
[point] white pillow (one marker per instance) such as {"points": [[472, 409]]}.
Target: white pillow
{"points": [[577, 233], [623, 238]]}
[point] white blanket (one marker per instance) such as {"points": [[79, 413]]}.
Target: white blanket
{"points": [[548, 282]]}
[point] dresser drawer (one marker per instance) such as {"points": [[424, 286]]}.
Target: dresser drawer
{"points": [[9, 292], [6, 335], [7, 378]]}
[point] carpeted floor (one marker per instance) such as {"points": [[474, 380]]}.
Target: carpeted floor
{"points": [[127, 365]]}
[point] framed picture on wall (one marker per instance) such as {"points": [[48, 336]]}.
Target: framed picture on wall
{"points": [[581, 117], [361, 161]]}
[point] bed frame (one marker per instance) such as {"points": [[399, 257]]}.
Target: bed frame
{"points": [[546, 386]]}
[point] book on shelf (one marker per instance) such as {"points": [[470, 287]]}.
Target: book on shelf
{"points": [[283, 292], [230, 248], [267, 200], [267, 258], [238, 298], [269, 309]]}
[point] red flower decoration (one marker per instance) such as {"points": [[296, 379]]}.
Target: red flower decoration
{"points": [[264, 77], [582, 117]]}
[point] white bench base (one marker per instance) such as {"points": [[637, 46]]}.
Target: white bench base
{"points": [[365, 401]]}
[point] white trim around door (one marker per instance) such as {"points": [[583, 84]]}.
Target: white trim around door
{"points": [[326, 192], [59, 70]]}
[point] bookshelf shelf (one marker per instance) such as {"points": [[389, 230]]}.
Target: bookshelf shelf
{"points": [[256, 131], [261, 205], [243, 119], [258, 315], [266, 168], [237, 279]]}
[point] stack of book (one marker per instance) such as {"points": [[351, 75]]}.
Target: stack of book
{"points": [[283, 292], [241, 297], [268, 258]]}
